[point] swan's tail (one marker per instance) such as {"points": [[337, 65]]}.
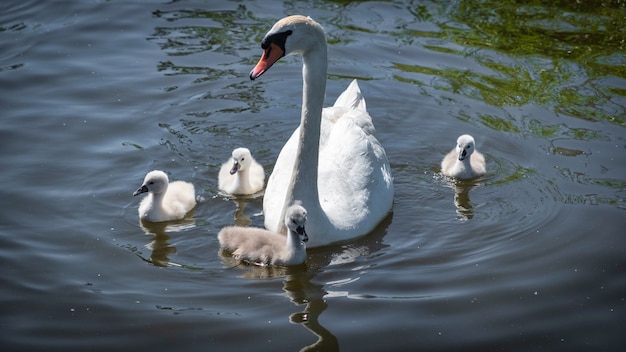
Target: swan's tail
{"points": [[352, 98]]}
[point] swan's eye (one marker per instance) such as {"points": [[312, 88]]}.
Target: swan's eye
{"points": [[276, 38]]}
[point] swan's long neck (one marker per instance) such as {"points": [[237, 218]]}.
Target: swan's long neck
{"points": [[303, 184]]}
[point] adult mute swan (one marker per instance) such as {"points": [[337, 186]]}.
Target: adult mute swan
{"points": [[464, 161], [243, 175], [333, 162], [165, 201], [260, 246]]}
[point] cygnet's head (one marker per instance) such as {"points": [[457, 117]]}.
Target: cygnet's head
{"points": [[241, 160], [465, 146], [295, 219], [155, 181]]}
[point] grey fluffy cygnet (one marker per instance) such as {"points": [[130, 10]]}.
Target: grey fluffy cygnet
{"points": [[464, 161], [166, 201], [263, 247]]}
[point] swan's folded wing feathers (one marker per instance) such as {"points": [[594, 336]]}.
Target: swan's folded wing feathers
{"points": [[350, 150], [351, 98]]}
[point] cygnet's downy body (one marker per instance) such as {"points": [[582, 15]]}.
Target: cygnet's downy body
{"points": [[165, 201], [464, 161], [241, 175], [263, 247]]}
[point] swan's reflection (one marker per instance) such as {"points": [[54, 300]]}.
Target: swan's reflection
{"points": [[300, 288], [160, 247]]}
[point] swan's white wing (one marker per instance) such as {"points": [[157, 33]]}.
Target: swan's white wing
{"points": [[351, 98], [354, 178], [354, 183]]}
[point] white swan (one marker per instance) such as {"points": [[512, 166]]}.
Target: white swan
{"points": [[260, 246], [242, 176], [166, 201], [464, 161], [350, 190]]}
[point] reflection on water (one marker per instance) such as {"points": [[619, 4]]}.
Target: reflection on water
{"points": [[241, 219], [299, 285], [160, 248], [462, 201], [301, 291]]}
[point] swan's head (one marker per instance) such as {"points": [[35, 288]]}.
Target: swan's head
{"points": [[155, 181], [291, 35], [465, 146], [295, 220], [241, 160]]}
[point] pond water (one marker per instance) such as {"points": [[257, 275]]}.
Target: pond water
{"points": [[529, 257]]}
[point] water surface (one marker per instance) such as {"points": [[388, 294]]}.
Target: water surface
{"points": [[530, 257]]}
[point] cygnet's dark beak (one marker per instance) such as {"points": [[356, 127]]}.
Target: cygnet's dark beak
{"points": [[462, 154], [300, 231], [235, 168], [142, 189]]}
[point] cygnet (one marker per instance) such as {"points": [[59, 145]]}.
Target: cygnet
{"points": [[464, 162], [165, 201], [263, 247], [241, 176]]}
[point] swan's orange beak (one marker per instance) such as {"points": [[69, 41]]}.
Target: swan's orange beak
{"points": [[269, 57]]}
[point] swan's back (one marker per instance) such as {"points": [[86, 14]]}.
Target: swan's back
{"points": [[355, 185]]}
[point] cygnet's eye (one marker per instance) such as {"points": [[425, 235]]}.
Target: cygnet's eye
{"points": [[151, 182], [242, 159]]}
